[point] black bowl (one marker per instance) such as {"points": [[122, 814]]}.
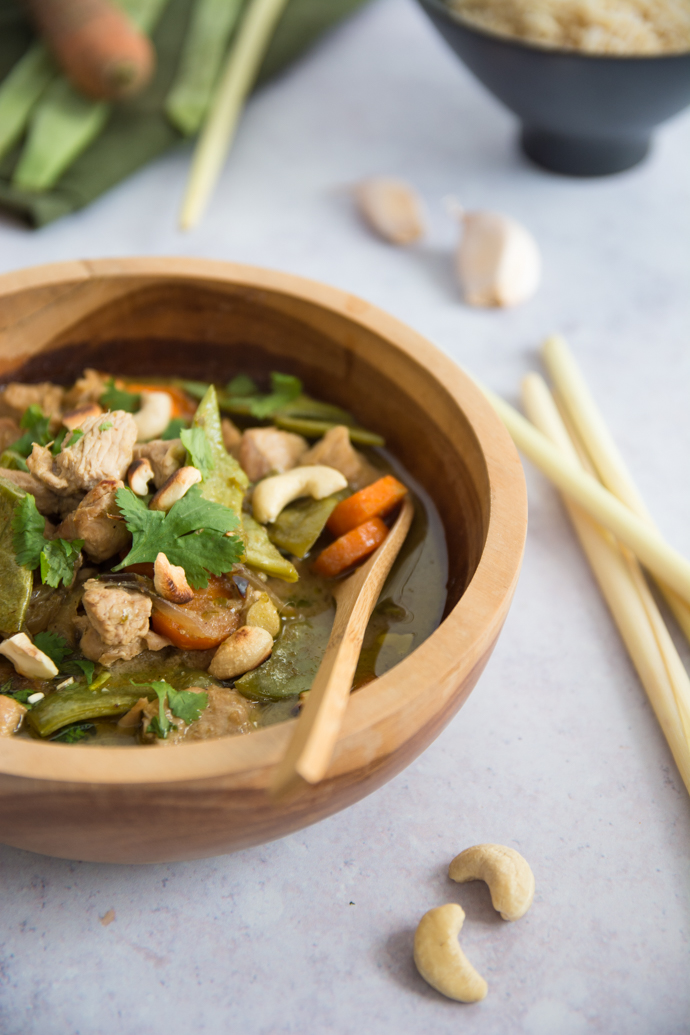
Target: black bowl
{"points": [[581, 114]]}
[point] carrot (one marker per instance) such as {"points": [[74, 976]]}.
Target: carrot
{"points": [[350, 548], [373, 501], [204, 622], [100, 50]]}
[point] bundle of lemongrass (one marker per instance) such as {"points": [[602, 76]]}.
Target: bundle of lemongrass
{"points": [[569, 441]]}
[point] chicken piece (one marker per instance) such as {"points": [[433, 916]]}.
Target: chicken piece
{"points": [[266, 450], [165, 457], [18, 397], [92, 521], [88, 389], [47, 502], [104, 450], [9, 432], [227, 712], [11, 716], [94, 648], [118, 615], [232, 436], [336, 450]]}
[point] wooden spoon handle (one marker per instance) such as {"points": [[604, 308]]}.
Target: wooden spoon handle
{"points": [[311, 748]]}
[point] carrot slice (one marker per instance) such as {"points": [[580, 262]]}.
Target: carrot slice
{"points": [[373, 501], [350, 548]]}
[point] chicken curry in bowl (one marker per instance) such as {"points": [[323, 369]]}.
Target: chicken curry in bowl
{"points": [[169, 550]]}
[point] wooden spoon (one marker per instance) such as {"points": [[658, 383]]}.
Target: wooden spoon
{"points": [[311, 748]]}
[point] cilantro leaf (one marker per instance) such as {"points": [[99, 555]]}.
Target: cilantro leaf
{"points": [[27, 533], [241, 385], [186, 705], [119, 399], [192, 534], [106, 426], [59, 439], [160, 724], [23, 696], [55, 646], [195, 441], [174, 428], [79, 666], [284, 388], [73, 734], [58, 558], [74, 437], [36, 425]]}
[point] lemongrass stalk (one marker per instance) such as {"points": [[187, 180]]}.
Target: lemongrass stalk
{"points": [[627, 595], [604, 507], [20, 91], [241, 68], [601, 447]]}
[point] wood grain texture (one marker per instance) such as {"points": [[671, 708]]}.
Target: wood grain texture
{"points": [[204, 319]]}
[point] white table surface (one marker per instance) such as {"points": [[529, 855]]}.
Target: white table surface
{"points": [[557, 752]]}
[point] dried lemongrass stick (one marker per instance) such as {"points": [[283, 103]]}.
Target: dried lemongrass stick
{"points": [[602, 450], [602, 505], [241, 67], [628, 597]]}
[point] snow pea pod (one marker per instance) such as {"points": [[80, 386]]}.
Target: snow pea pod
{"points": [[16, 581], [76, 704]]}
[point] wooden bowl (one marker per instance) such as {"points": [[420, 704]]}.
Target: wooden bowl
{"points": [[202, 319]]}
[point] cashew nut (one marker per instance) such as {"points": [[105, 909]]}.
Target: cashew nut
{"points": [[263, 613], [139, 474], [170, 581], [76, 417], [28, 660], [510, 880], [154, 415], [272, 494], [174, 489], [241, 652], [441, 961]]}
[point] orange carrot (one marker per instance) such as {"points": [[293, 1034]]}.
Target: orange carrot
{"points": [[99, 49], [373, 501], [350, 548]]}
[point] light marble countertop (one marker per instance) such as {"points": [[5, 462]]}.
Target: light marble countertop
{"points": [[557, 752]]}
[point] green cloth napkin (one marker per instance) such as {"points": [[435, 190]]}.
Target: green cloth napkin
{"points": [[138, 129]]}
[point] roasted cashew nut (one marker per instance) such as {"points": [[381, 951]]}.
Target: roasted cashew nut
{"points": [[441, 961], [272, 494], [510, 880], [177, 485], [28, 660], [154, 415], [170, 581]]}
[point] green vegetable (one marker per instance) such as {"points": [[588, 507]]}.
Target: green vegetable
{"points": [[176, 425], [261, 553], [294, 662], [36, 425], [79, 666], [184, 704], [23, 696], [316, 428], [55, 646], [199, 449], [300, 524], [197, 389], [191, 534], [105, 427], [119, 399], [77, 704], [59, 439], [227, 482], [13, 461], [284, 390], [74, 437], [211, 23], [73, 734], [20, 91], [15, 578], [56, 557], [242, 385]]}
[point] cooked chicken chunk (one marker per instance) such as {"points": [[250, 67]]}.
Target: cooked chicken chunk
{"points": [[336, 450], [227, 712], [103, 450], [11, 715], [92, 521], [47, 502], [88, 389], [17, 397], [232, 436], [165, 457], [94, 648], [263, 450], [118, 615], [9, 432]]}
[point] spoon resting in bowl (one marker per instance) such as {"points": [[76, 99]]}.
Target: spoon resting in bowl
{"points": [[311, 748]]}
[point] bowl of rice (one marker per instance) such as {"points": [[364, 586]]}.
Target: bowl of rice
{"points": [[588, 79]]}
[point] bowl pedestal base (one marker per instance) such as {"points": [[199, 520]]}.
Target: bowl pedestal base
{"points": [[582, 156]]}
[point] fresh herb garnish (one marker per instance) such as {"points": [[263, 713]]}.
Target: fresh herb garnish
{"points": [[195, 441], [23, 696], [242, 386], [73, 734], [119, 399], [106, 426], [192, 534], [183, 704], [79, 666], [54, 645], [284, 388], [74, 437], [176, 425], [36, 425], [59, 439], [55, 557]]}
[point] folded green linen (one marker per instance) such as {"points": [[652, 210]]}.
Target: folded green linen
{"points": [[138, 130]]}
